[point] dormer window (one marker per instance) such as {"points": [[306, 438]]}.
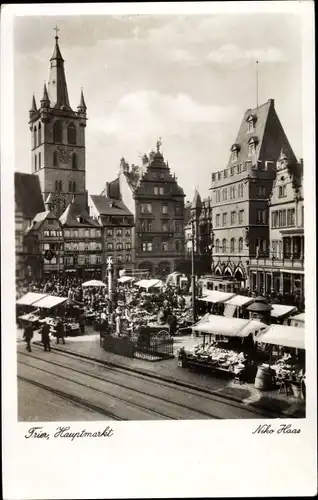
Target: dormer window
{"points": [[251, 119], [252, 143], [235, 151]]}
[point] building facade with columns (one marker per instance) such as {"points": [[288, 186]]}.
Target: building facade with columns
{"points": [[240, 193], [281, 271], [58, 140]]}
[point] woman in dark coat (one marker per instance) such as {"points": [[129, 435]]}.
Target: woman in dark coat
{"points": [[45, 333]]}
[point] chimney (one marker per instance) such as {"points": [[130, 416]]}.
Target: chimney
{"points": [[107, 190]]}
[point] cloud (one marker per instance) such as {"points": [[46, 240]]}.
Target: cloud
{"points": [[181, 55], [231, 54], [149, 113]]}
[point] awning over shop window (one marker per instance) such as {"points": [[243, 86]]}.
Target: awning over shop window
{"points": [[49, 301], [29, 298], [288, 336], [229, 327], [280, 310], [215, 296]]}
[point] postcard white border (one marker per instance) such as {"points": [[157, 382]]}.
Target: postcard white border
{"points": [[161, 459]]}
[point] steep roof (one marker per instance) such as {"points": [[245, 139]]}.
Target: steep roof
{"points": [[72, 213], [39, 219], [28, 196], [110, 206], [57, 86], [114, 190], [268, 134]]}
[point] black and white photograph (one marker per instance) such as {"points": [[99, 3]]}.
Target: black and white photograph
{"points": [[159, 254]]}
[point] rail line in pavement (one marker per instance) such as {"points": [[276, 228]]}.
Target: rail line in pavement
{"points": [[136, 372], [66, 374]]}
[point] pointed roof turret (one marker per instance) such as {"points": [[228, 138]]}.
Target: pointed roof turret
{"points": [[82, 105], [45, 101], [57, 82], [197, 202], [33, 105]]}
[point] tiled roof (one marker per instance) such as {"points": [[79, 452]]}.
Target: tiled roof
{"points": [[28, 196], [109, 206], [71, 214]]}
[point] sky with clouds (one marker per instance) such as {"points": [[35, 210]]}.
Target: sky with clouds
{"points": [[186, 79]]}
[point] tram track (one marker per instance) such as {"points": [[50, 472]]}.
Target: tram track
{"points": [[128, 387], [213, 396], [172, 409], [70, 397]]}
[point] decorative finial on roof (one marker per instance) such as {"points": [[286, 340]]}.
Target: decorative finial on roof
{"points": [[158, 144], [56, 29], [82, 104]]}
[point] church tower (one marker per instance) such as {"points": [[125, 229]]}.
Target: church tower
{"points": [[58, 140]]}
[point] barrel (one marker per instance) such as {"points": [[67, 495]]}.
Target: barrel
{"points": [[263, 380]]}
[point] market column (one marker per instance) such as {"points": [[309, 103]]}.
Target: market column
{"points": [[281, 283]]}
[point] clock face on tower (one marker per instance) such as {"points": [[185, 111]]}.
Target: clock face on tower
{"points": [[59, 203]]}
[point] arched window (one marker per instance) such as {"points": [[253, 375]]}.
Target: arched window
{"points": [[34, 137], [74, 187], [71, 134], [57, 131], [35, 162], [217, 246], [39, 134], [224, 245], [56, 186], [60, 186], [240, 245], [39, 160], [232, 245], [55, 158], [74, 161], [70, 186]]}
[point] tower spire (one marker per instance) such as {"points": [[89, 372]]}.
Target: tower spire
{"points": [[57, 82]]}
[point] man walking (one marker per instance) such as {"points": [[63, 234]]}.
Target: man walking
{"points": [[46, 337], [28, 335], [60, 332]]}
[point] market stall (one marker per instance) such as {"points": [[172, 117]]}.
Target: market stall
{"points": [[124, 280], [287, 347], [281, 312], [298, 320], [153, 285], [235, 305], [94, 283], [229, 347]]}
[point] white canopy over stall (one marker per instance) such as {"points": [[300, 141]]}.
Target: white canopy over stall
{"points": [[125, 279], [49, 301], [298, 320], [29, 298], [229, 327], [215, 296], [288, 336], [95, 283], [280, 310], [153, 283]]}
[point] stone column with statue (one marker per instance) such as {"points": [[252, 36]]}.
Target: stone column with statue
{"points": [[110, 284]]}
